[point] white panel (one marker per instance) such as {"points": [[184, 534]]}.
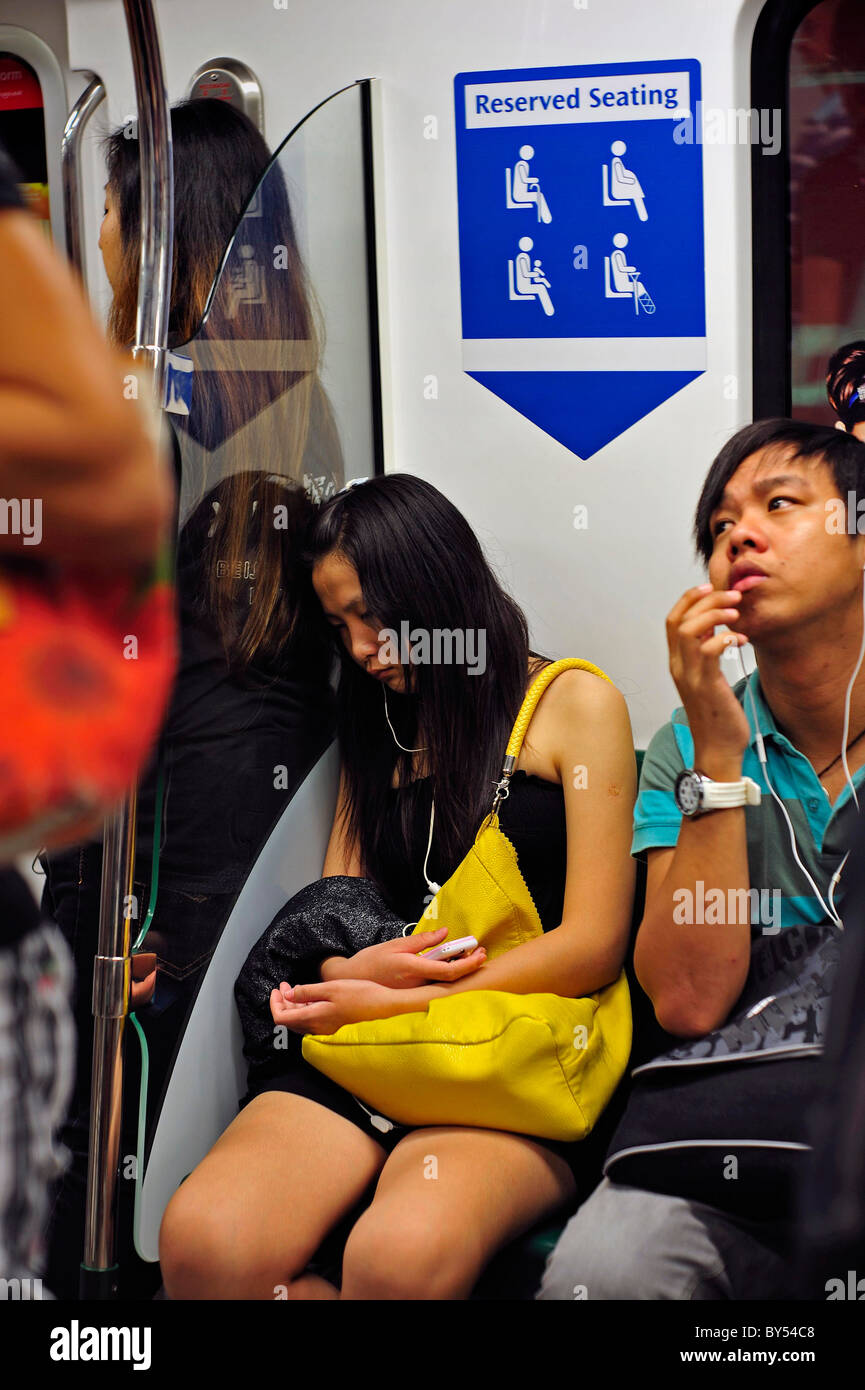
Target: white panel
{"points": [[602, 592], [209, 1075]]}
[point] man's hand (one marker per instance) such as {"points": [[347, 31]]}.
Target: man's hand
{"points": [[397, 964], [325, 1007], [717, 721]]}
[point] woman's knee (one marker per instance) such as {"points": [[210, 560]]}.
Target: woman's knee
{"points": [[193, 1246], [394, 1254], [205, 1252]]}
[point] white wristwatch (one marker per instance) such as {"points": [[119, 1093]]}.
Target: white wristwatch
{"points": [[696, 793]]}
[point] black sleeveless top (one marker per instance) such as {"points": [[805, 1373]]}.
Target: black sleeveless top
{"points": [[532, 817]]}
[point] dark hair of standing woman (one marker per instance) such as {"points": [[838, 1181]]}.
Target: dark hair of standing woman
{"points": [[845, 377], [219, 159], [418, 561]]}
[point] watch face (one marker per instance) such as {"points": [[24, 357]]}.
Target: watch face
{"points": [[688, 793]]}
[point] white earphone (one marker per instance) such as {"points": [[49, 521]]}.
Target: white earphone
{"points": [[430, 883], [829, 907]]}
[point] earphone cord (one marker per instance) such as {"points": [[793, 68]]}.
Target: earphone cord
{"points": [[390, 726], [848, 698], [761, 753], [431, 885]]}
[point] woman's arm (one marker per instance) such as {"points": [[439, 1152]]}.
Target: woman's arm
{"points": [[581, 730], [342, 857], [343, 853], [581, 734], [393, 963]]}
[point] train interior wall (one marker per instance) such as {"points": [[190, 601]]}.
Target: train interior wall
{"points": [[600, 589]]}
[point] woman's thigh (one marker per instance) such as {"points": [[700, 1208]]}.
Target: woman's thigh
{"points": [[446, 1201], [252, 1214]]}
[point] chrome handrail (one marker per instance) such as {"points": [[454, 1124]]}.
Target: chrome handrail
{"points": [[111, 974], [70, 156]]}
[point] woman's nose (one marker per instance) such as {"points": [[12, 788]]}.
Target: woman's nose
{"points": [[364, 644]]}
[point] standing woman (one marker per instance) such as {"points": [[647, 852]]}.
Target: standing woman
{"points": [[845, 387], [303, 1152], [252, 709]]}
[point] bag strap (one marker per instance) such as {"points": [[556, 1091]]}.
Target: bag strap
{"points": [[527, 709]]}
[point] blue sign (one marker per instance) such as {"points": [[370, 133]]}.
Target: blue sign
{"points": [[581, 241]]}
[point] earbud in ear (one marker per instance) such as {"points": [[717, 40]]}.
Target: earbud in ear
{"points": [[839, 425]]}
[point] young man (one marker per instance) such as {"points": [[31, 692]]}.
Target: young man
{"points": [[738, 944]]}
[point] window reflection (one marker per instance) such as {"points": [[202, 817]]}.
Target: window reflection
{"points": [[827, 195]]}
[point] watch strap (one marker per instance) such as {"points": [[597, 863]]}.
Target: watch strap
{"points": [[720, 796]]}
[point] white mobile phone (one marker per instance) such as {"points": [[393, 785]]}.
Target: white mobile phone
{"points": [[462, 946]]}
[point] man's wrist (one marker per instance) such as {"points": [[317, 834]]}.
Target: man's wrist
{"points": [[721, 766]]}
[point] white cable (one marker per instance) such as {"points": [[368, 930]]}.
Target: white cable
{"points": [[833, 883], [390, 726], [430, 883], [847, 700], [761, 750], [433, 887]]}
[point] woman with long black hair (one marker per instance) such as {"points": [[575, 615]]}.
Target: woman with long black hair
{"points": [[252, 708], [391, 557]]}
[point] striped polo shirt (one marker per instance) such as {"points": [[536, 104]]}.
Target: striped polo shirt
{"points": [[823, 831]]}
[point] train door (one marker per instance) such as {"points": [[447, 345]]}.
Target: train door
{"points": [[274, 401]]}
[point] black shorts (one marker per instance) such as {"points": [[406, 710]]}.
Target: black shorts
{"points": [[301, 1079]]}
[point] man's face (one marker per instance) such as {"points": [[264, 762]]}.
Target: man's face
{"points": [[772, 542]]}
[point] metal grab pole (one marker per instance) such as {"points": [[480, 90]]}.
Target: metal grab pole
{"points": [[112, 966], [70, 155]]}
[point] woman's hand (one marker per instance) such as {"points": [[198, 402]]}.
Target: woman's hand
{"points": [[397, 964], [325, 1007]]}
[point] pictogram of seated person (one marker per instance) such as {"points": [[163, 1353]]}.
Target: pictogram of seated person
{"points": [[625, 187]]}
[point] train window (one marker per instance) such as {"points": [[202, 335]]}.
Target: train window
{"points": [[827, 196], [22, 131], [808, 61]]}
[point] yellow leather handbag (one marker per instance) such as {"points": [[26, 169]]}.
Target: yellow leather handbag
{"points": [[535, 1064]]}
